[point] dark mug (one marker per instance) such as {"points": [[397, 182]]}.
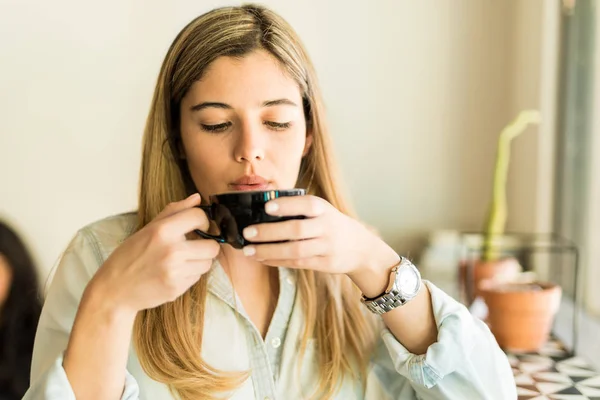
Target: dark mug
{"points": [[232, 212]]}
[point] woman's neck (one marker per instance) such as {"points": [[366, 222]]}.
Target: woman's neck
{"points": [[240, 269], [256, 284]]}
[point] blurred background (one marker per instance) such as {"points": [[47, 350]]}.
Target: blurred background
{"points": [[417, 93]]}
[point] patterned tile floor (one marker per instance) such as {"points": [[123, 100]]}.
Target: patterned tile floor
{"points": [[553, 374]]}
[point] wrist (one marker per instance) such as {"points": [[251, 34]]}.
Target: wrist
{"points": [[373, 273], [98, 297]]}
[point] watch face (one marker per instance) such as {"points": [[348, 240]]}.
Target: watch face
{"points": [[408, 280]]}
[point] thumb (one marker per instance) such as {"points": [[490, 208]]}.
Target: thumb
{"points": [[175, 207]]}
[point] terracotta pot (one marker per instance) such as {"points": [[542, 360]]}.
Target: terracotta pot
{"points": [[521, 314], [470, 276], [503, 270]]}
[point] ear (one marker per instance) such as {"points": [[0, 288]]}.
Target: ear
{"points": [[308, 142]]}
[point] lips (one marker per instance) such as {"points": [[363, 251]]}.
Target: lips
{"points": [[250, 182]]}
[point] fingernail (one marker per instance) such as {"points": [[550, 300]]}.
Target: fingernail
{"points": [[250, 233], [194, 196], [249, 250], [271, 207]]}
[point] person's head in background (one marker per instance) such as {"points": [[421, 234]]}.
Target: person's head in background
{"points": [[240, 58], [20, 308]]}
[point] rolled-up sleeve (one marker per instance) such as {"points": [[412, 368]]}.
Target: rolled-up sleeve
{"points": [[465, 362], [48, 378]]}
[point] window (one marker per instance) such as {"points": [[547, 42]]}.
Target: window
{"points": [[577, 206]]}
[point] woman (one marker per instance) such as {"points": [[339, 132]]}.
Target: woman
{"points": [[20, 308], [138, 309]]}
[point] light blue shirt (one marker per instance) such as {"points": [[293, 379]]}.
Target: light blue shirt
{"points": [[464, 364]]}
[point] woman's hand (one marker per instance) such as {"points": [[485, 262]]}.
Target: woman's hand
{"points": [[157, 264], [327, 240]]}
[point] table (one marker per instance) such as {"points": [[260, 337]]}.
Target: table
{"points": [[552, 373]]}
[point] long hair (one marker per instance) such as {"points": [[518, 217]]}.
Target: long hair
{"points": [[168, 338], [19, 315]]}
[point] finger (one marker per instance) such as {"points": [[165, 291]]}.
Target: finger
{"points": [[309, 206], [177, 206], [190, 280], [288, 250], [295, 229], [200, 250], [197, 268], [182, 222]]}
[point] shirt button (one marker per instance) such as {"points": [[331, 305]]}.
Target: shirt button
{"points": [[276, 342], [290, 280], [266, 398]]}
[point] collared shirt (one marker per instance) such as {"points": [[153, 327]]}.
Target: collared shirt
{"points": [[464, 364]]}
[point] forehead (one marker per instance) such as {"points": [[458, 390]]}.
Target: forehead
{"points": [[255, 77]]}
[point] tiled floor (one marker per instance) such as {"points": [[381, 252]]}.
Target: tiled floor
{"points": [[553, 374]]}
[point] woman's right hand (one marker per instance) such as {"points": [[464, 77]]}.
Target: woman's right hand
{"points": [[157, 264]]}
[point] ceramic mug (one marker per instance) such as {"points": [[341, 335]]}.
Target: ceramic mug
{"points": [[232, 212]]}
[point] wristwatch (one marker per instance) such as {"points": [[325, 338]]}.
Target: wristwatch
{"points": [[404, 284]]}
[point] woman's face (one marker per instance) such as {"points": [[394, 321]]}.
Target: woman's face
{"points": [[5, 279], [243, 126]]}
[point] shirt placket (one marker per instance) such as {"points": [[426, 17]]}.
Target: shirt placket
{"points": [[265, 355], [279, 324]]}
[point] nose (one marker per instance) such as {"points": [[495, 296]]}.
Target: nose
{"points": [[249, 146]]}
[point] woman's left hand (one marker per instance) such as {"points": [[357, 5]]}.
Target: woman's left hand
{"points": [[327, 240]]}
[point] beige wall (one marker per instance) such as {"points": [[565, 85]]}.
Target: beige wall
{"points": [[416, 91]]}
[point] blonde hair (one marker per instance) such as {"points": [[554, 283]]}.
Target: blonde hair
{"points": [[168, 338]]}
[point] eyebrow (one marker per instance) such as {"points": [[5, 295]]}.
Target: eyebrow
{"points": [[268, 103]]}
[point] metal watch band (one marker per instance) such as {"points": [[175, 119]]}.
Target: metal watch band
{"points": [[384, 303], [391, 298]]}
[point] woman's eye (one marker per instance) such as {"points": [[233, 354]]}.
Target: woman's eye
{"points": [[277, 126], [216, 128]]}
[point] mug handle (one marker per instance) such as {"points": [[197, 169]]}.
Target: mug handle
{"points": [[204, 235]]}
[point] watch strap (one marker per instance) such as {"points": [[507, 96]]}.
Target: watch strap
{"points": [[391, 298]]}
